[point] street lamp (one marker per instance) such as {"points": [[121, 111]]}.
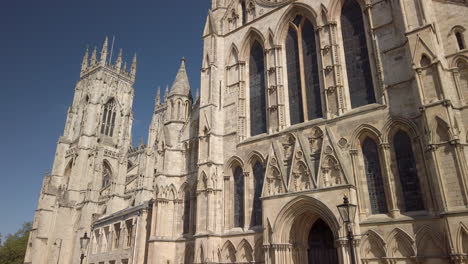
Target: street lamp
{"points": [[84, 241], [348, 213]]}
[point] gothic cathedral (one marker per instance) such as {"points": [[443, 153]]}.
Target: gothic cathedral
{"points": [[302, 102]]}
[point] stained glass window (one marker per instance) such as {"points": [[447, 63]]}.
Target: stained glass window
{"points": [[407, 171], [302, 70], [186, 217], [356, 54], [258, 174], [238, 198], [257, 90], [461, 43], [375, 183]]}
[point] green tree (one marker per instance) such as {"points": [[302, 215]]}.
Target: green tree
{"points": [[14, 247]]}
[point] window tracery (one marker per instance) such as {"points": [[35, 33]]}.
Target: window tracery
{"points": [[108, 118], [356, 53], [302, 71]]}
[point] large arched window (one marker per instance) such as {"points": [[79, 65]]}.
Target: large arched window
{"points": [[375, 185], [257, 90], [303, 73], [108, 118], [106, 175], [407, 171], [238, 197], [356, 53], [258, 176]]}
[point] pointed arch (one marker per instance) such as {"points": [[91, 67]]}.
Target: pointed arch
{"points": [[462, 239], [365, 130], [257, 89], [200, 257], [228, 253], [106, 174], [244, 253], [401, 245], [233, 162], [172, 193], [430, 243], [109, 116], [373, 246]]}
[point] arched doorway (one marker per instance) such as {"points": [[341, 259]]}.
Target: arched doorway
{"points": [[321, 249]]}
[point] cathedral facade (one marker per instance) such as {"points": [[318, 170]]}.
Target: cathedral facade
{"points": [[302, 102]]}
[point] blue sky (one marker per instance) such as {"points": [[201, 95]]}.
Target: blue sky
{"points": [[41, 48]]}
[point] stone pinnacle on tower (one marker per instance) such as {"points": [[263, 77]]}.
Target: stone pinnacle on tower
{"points": [[94, 56], [104, 51], [134, 66], [158, 96], [118, 63], [84, 64], [166, 93]]}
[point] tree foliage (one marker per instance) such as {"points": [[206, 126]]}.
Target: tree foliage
{"points": [[13, 249]]}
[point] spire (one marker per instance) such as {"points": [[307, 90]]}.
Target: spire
{"points": [[94, 56], [181, 84], [134, 66], [118, 63], [104, 51], [84, 64], [158, 96]]}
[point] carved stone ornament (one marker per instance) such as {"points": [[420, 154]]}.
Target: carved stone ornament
{"points": [[273, 2]]}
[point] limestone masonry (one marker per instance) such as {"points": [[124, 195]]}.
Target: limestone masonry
{"points": [[301, 103]]}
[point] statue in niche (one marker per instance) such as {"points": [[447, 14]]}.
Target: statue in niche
{"points": [[331, 172]]}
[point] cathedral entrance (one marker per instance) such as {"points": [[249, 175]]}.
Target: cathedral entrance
{"points": [[321, 249]]}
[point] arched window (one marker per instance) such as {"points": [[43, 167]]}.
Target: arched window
{"points": [[238, 198], [463, 79], [303, 73], [257, 90], [460, 40], [106, 175], [356, 53], [108, 118], [258, 176], [407, 171], [186, 217], [374, 177]]}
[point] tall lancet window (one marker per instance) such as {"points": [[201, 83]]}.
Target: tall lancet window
{"points": [[305, 102], [258, 123], [375, 185], [407, 171], [238, 198], [244, 12], [356, 53], [108, 118], [186, 216], [106, 175], [258, 176]]}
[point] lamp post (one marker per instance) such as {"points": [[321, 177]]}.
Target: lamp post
{"points": [[83, 244], [348, 213]]}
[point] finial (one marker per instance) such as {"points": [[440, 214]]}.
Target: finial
{"points": [[84, 64], [104, 51], [94, 56], [118, 63], [158, 96]]}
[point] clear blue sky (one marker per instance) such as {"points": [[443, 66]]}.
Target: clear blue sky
{"points": [[41, 48]]}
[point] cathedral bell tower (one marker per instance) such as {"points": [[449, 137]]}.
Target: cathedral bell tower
{"points": [[88, 175]]}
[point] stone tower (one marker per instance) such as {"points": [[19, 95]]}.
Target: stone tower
{"points": [[88, 174]]}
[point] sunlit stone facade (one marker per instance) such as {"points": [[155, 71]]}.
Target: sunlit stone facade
{"points": [[301, 103]]}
